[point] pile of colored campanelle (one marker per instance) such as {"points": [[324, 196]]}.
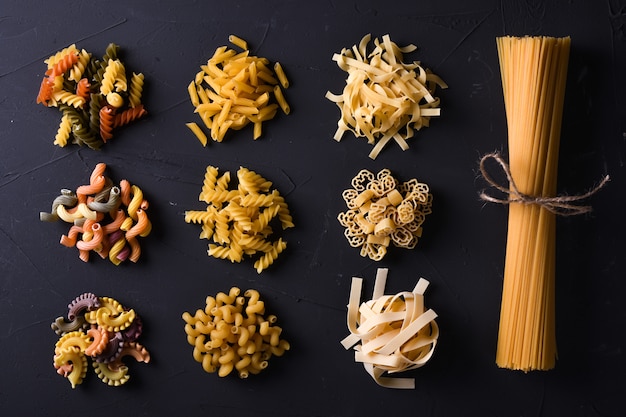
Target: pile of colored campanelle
{"points": [[102, 330]]}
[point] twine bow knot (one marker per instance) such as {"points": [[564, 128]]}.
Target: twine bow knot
{"points": [[560, 205]]}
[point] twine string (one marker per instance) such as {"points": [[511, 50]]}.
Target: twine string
{"points": [[564, 205]]}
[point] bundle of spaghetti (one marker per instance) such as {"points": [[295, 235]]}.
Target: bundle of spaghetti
{"points": [[235, 89], [106, 218], [93, 95], [239, 220], [533, 71]]}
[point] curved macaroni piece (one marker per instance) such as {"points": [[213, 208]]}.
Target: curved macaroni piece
{"points": [[62, 327], [100, 341], [136, 350], [76, 372], [109, 376], [86, 301], [76, 339], [66, 198]]}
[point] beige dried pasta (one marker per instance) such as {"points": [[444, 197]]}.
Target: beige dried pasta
{"points": [[382, 212], [384, 98], [238, 221], [233, 334], [390, 333]]}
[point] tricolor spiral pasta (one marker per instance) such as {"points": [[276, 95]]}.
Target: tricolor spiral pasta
{"points": [[77, 80], [100, 224], [238, 220]]}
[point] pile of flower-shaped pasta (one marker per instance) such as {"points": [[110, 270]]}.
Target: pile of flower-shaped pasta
{"points": [[391, 333], [384, 98], [232, 333], [239, 220], [95, 96], [382, 211], [103, 330], [106, 218]]}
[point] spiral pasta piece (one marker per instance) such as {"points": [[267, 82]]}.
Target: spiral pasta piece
{"points": [[129, 115], [135, 90], [106, 117], [238, 221]]}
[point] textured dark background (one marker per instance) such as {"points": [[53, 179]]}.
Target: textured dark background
{"points": [[461, 252]]}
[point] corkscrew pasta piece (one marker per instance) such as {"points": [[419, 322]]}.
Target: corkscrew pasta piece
{"points": [[235, 89], [390, 333], [107, 219], [239, 221], [384, 98], [79, 84], [232, 334], [112, 335], [383, 212]]}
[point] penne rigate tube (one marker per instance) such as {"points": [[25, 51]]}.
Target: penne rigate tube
{"points": [[533, 71]]}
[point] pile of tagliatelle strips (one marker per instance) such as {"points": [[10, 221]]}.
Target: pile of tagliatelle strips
{"points": [[384, 99]]}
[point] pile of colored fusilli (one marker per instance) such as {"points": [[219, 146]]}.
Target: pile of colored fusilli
{"points": [[95, 96]]}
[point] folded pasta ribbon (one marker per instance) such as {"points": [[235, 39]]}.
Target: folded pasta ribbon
{"points": [[391, 333], [563, 205]]}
